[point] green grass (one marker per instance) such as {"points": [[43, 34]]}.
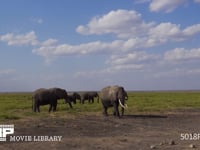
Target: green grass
{"points": [[163, 101], [16, 106]]}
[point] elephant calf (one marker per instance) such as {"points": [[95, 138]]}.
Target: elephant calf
{"points": [[89, 96], [72, 97], [113, 96], [48, 96]]}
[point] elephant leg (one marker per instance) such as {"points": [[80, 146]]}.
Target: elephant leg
{"points": [[38, 108], [105, 110], [54, 105], [70, 105], [114, 113], [82, 101], [122, 111], [50, 107], [74, 100], [92, 99], [34, 108], [89, 100], [116, 110]]}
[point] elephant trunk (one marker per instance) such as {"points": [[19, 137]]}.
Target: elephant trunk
{"points": [[123, 106]]}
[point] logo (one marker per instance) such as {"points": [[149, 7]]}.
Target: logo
{"points": [[5, 130], [9, 129]]}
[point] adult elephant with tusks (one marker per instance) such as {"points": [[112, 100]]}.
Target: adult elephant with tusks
{"points": [[113, 96], [48, 96]]}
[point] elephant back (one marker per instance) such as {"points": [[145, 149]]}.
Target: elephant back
{"points": [[58, 93], [39, 92]]}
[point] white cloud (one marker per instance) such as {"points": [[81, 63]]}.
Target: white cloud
{"points": [[122, 23], [6, 72], [197, 1], [165, 5], [177, 72], [49, 42], [37, 20], [141, 1], [132, 58], [156, 35], [132, 33], [192, 30], [127, 52], [182, 54], [166, 32], [131, 26], [21, 39], [110, 70], [135, 61], [51, 48]]}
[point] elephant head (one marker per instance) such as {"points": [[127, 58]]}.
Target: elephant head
{"points": [[121, 96], [113, 96]]}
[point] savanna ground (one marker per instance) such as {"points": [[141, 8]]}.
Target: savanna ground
{"points": [[153, 120]]}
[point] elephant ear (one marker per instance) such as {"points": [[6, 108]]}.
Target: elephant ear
{"points": [[113, 93], [120, 92]]}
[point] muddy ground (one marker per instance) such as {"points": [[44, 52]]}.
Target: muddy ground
{"points": [[139, 132]]}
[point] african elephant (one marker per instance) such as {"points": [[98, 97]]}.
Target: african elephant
{"points": [[72, 97], [113, 96], [92, 95], [89, 96], [48, 96]]}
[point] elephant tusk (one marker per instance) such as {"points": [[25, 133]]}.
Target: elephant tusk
{"points": [[123, 106]]}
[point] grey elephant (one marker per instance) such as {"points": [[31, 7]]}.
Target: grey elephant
{"points": [[93, 95], [113, 96], [50, 96], [90, 95], [72, 97]]}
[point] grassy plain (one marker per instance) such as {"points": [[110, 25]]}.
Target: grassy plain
{"points": [[16, 106]]}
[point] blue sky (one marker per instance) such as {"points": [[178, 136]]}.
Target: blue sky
{"points": [[89, 44]]}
